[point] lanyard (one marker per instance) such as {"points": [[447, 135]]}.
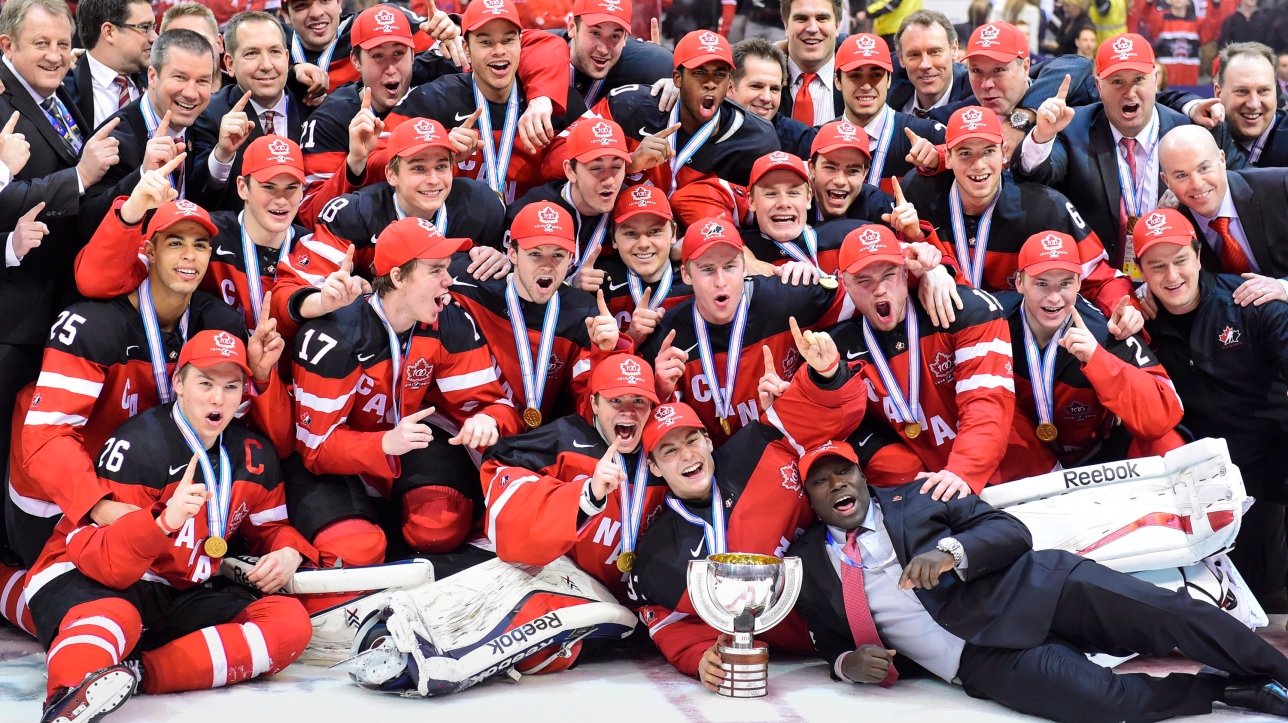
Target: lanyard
{"points": [[1134, 189], [152, 122], [907, 407], [155, 349], [440, 218], [633, 491], [221, 487], [1254, 154], [254, 284], [1042, 366], [681, 157], [324, 58], [714, 531], [534, 371], [663, 287], [497, 167], [397, 354], [722, 396], [592, 93], [810, 236], [596, 238], [839, 551], [883, 146], [972, 263]]}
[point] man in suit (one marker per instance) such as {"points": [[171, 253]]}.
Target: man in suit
{"points": [[1105, 154], [257, 56], [812, 95], [893, 576], [927, 77], [1238, 213], [1245, 83], [36, 283], [759, 70], [118, 37], [153, 129]]}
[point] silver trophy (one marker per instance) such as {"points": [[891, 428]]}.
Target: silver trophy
{"points": [[740, 594]]}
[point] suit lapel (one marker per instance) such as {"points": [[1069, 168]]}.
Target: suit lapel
{"points": [[27, 106], [1252, 218], [892, 509], [85, 90], [1106, 159]]}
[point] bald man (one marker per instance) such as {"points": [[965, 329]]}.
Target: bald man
{"points": [[1238, 214]]}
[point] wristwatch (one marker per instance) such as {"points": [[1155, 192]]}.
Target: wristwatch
{"points": [[1022, 122], [951, 546]]}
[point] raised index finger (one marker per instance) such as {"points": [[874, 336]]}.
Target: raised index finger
{"points": [[13, 121], [645, 298], [163, 129], [898, 192], [796, 331], [190, 473], [666, 343], [911, 135], [1064, 88], [172, 164], [469, 122], [655, 32], [603, 306], [769, 358], [421, 414], [111, 125], [612, 449], [34, 212], [366, 99], [1077, 320], [669, 131], [347, 264], [241, 104]]}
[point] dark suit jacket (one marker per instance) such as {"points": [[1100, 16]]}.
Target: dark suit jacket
{"points": [[1275, 153], [789, 100], [1007, 599], [121, 179], [1083, 165], [42, 285], [1260, 198], [204, 136], [902, 89], [80, 86]]}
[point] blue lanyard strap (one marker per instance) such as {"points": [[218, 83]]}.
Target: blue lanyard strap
{"points": [[971, 263], [397, 354], [722, 395], [633, 491], [1042, 366], [156, 349], [883, 146], [1133, 188], [908, 407], [713, 531], [592, 93], [497, 161], [221, 487], [596, 237], [250, 257], [663, 287], [536, 370], [682, 156]]}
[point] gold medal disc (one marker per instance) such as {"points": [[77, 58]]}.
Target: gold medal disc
{"points": [[1047, 432], [216, 546], [828, 282], [724, 425], [912, 429], [1131, 224], [626, 561], [532, 417]]}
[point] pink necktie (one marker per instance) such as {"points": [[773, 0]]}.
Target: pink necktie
{"points": [[859, 615], [1128, 146]]}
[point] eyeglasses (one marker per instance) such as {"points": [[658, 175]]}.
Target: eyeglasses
{"points": [[144, 28]]}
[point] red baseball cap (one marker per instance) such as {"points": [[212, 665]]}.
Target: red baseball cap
{"points": [[268, 157], [181, 210], [1163, 226], [381, 24], [1127, 51], [778, 161], [702, 46], [1050, 250], [413, 238], [213, 346], [840, 134], [622, 374], [863, 49], [594, 138], [594, 12], [998, 41], [481, 12], [830, 448], [867, 245], [416, 134], [668, 417], [541, 223], [706, 233], [973, 121], [641, 199]]}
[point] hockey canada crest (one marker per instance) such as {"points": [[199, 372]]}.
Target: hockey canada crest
{"points": [[1155, 224], [712, 229], [640, 197], [385, 21], [665, 415], [1078, 411], [418, 373], [972, 118], [186, 207], [548, 218], [942, 367], [709, 41], [425, 129], [494, 7], [225, 343], [280, 150], [555, 366], [1052, 246], [847, 131], [631, 371], [1124, 48], [870, 239], [988, 35], [1229, 336], [779, 157], [791, 362], [867, 45], [791, 478], [603, 133]]}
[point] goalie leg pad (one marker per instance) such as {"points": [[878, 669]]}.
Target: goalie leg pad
{"points": [[355, 540], [436, 519]]}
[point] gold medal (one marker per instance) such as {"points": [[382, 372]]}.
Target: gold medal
{"points": [[626, 561], [1047, 432], [532, 417], [828, 282], [912, 429], [216, 546], [724, 424], [1131, 224]]}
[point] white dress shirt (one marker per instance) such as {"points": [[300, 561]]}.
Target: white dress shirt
{"points": [[900, 617], [102, 80], [219, 172], [911, 106], [820, 89]]}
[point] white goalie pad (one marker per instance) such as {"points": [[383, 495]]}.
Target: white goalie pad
{"points": [[1151, 513], [449, 635], [395, 575]]}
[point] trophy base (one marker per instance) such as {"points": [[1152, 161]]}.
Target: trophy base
{"points": [[746, 671]]}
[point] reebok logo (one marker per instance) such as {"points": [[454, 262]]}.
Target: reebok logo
{"points": [[1103, 473], [549, 621]]}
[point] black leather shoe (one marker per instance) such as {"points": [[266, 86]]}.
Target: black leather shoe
{"points": [[1264, 695], [102, 692]]}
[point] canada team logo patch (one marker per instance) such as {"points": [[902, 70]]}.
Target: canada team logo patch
{"points": [[385, 21], [418, 374], [1124, 48], [548, 219], [709, 41], [631, 371], [847, 131], [1156, 224], [711, 230], [186, 207], [280, 150], [1229, 336], [791, 478], [225, 344], [665, 415], [942, 367], [988, 36], [973, 118], [1053, 246], [603, 133], [425, 130], [779, 157], [494, 7], [870, 239], [867, 45], [641, 198], [1078, 411]]}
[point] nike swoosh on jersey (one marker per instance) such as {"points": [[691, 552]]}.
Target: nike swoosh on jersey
{"points": [[865, 439], [458, 282], [854, 355], [132, 346], [686, 351], [362, 358], [579, 445], [224, 252], [615, 287], [698, 550], [175, 470], [460, 117]]}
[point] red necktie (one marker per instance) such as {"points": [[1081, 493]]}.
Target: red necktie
{"points": [[1128, 146], [859, 615], [122, 85], [266, 119], [803, 107], [1233, 260]]}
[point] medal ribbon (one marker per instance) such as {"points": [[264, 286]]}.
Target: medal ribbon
{"points": [[681, 157], [440, 218], [713, 531], [1254, 154], [397, 354], [152, 122], [324, 58], [905, 407], [883, 146], [221, 487], [534, 374], [1133, 189], [596, 237], [1042, 367], [250, 257], [496, 166], [155, 348], [810, 236], [592, 93], [663, 287], [972, 264], [722, 396], [633, 500]]}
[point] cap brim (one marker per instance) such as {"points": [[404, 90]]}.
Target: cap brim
{"points": [[707, 246], [592, 154], [210, 361], [1042, 267], [651, 444], [991, 137], [1139, 66], [842, 144], [867, 261], [807, 463], [531, 242], [269, 172], [623, 390], [597, 18], [208, 225], [443, 143], [1000, 56], [699, 60], [860, 62], [379, 40], [447, 247], [660, 212]]}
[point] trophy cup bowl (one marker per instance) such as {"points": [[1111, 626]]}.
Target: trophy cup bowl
{"points": [[741, 594]]}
